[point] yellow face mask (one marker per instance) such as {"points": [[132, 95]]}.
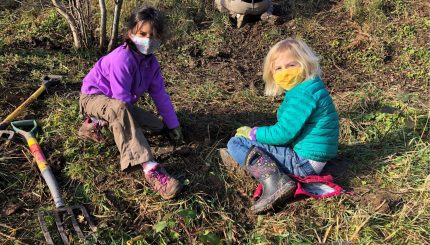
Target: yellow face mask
{"points": [[288, 78]]}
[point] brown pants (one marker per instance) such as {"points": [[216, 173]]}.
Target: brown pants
{"points": [[126, 125]]}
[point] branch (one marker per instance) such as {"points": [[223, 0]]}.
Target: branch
{"points": [[113, 40], [103, 38], [62, 10]]}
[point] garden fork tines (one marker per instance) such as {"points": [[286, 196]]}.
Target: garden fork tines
{"points": [[63, 223]]}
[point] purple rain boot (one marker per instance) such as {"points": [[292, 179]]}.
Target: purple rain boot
{"points": [[277, 186]]}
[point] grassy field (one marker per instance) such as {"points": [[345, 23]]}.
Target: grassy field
{"points": [[375, 57]]}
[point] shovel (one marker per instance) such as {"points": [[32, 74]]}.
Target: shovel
{"points": [[60, 210], [46, 81]]}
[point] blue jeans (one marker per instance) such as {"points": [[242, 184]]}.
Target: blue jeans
{"points": [[287, 159]]}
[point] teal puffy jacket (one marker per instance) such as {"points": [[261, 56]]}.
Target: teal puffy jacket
{"points": [[307, 121]]}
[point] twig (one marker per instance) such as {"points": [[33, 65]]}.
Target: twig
{"points": [[12, 238], [7, 236], [134, 239], [392, 234], [337, 226], [318, 237], [181, 223], [405, 192], [425, 126], [6, 226], [327, 232], [355, 235]]}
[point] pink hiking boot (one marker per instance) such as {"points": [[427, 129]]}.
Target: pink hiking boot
{"points": [[161, 182], [92, 131]]}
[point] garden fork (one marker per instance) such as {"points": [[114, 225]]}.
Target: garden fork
{"points": [[60, 210]]}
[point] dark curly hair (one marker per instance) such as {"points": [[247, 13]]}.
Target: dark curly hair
{"points": [[147, 15]]}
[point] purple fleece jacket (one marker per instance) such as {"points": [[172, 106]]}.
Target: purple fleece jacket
{"points": [[125, 75]]}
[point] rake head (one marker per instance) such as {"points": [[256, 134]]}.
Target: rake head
{"points": [[6, 135], [65, 218]]}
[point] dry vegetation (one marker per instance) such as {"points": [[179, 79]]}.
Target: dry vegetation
{"points": [[375, 58]]}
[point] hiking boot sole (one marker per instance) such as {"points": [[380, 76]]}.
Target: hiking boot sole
{"points": [[176, 191], [230, 163], [84, 135]]}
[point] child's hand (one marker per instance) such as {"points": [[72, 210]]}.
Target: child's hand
{"points": [[244, 131], [176, 135]]}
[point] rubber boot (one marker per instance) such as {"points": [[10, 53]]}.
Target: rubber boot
{"points": [[277, 186]]}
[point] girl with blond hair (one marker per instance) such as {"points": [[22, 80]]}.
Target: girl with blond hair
{"points": [[305, 135]]}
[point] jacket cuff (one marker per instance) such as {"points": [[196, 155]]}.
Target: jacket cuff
{"points": [[171, 122], [253, 133]]}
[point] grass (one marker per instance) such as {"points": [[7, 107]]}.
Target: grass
{"points": [[375, 62]]}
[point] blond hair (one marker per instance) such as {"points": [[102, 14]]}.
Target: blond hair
{"points": [[304, 55]]}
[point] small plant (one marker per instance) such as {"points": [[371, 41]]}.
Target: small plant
{"points": [[179, 224]]}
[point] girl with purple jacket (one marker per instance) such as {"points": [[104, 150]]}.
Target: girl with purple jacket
{"points": [[116, 82]]}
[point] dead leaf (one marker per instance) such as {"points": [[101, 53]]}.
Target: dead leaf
{"points": [[10, 209]]}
